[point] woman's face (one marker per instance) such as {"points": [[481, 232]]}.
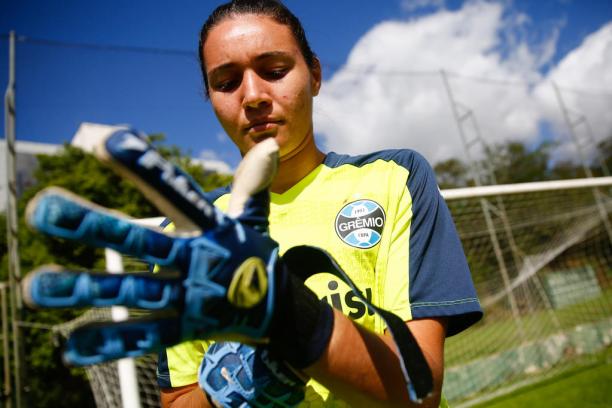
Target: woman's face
{"points": [[259, 83]]}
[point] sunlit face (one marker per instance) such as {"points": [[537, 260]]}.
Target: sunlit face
{"points": [[259, 83]]}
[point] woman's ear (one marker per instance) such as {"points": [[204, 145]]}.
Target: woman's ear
{"points": [[316, 73]]}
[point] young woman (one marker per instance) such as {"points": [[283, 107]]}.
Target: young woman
{"points": [[380, 215]]}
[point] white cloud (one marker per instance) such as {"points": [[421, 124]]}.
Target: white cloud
{"points": [[412, 5], [584, 80], [390, 93], [210, 160], [221, 137]]}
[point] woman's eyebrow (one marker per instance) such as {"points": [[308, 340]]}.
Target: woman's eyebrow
{"points": [[218, 69], [272, 54]]}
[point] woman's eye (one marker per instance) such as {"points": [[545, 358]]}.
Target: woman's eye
{"points": [[226, 85], [276, 73]]}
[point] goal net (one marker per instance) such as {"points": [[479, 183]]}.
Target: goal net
{"points": [[541, 259]]}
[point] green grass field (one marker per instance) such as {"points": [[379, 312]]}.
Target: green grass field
{"points": [[587, 386]]}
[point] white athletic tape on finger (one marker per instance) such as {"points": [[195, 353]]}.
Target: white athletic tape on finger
{"points": [[255, 172]]}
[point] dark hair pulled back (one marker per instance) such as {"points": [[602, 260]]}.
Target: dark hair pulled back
{"points": [[270, 8]]}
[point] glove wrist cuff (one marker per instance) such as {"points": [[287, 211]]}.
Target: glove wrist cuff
{"points": [[303, 324]]}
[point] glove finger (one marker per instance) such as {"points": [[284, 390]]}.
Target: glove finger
{"points": [[97, 342], [50, 286], [168, 187], [250, 200], [60, 213]]}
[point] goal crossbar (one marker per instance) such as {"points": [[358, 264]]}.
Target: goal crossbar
{"points": [[505, 189]]}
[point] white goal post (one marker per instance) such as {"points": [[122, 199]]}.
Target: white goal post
{"points": [[126, 367]]}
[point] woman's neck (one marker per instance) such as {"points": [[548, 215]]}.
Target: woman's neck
{"points": [[296, 166]]}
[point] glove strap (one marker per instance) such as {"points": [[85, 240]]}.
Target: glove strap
{"points": [[304, 261]]}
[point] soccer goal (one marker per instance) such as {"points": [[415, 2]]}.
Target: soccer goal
{"points": [[541, 259]]}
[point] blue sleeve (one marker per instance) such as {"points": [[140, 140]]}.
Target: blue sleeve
{"points": [[440, 283]]}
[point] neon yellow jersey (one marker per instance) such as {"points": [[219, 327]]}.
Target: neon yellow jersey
{"points": [[382, 218]]}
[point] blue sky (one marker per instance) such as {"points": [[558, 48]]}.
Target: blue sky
{"points": [[59, 87]]}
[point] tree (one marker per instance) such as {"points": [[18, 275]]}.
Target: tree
{"points": [[513, 162], [605, 153], [50, 383], [452, 173], [566, 169]]}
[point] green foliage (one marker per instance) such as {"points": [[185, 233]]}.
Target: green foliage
{"points": [[49, 382], [513, 162], [451, 173], [208, 180], [605, 151]]}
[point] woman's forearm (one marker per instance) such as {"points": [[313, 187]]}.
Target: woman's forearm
{"points": [[363, 368]]}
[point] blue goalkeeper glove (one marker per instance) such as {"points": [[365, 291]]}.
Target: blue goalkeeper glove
{"points": [[224, 278], [238, 375], [230, 281]]}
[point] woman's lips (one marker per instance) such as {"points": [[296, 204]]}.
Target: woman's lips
{"points": [[263, 126]]}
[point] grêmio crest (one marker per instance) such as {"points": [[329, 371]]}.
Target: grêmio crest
{"points": [[360, 223]]}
